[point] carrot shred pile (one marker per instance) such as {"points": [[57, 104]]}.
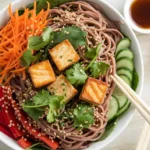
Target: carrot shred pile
{"points": [[14, 40]]}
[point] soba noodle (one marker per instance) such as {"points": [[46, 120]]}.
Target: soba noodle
{"points": [[99, 30]]}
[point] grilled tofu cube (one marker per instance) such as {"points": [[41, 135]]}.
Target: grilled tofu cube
{"points": [[42, 74], [62, 87], [64, 55], [94, 91]]}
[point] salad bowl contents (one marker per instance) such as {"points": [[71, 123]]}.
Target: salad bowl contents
{"points": [[57, 58]]}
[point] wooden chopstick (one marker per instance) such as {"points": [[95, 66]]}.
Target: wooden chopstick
{"points": [[144, 138], [133, 97]]}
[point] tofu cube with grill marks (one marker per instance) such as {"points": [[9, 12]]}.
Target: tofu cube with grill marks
{"points": [[42, 74], [62, 87], [94, 91], [64, 55]]}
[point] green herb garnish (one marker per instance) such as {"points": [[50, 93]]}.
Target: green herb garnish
{"points": [[98, 68], [41, 99], [36, 43], [83, 116], [76, 75], [92, 53], [75, 35]]}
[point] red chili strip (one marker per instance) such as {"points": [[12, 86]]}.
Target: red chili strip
{"points": [[7, 132], [9, 115], [26, 124], [24, 143]]}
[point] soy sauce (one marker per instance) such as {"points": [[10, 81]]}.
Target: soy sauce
{"points": [[140, 13]]}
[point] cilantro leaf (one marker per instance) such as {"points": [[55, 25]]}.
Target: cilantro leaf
{"points": [[38, 146], [39, 42], [42, 4], [98, 68], [26, 58], [94, 54], [74, 34], [34, 113], [76, 75], [47, 34], [36, 43], [83, 116], [41, 99], [55, 105]]}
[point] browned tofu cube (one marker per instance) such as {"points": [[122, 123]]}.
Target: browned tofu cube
{"points": [[64, 55], [94, 91], [62, 87], [42, 74]]}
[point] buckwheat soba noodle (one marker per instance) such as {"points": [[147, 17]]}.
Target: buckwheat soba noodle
{"points": [[100, 29]]}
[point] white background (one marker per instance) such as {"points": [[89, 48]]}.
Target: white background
{"points": [[128, 139]]}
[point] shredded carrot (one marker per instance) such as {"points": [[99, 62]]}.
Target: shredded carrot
{"points": [[14, 40], [19, 70]]}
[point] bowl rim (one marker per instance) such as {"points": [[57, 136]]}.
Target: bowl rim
{"points": [[129, 19], [2, 136]]}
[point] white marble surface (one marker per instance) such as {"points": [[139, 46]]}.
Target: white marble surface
{"points": [[128, 139]]}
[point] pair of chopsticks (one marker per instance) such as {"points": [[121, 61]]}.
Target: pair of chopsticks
{"points": [[144, 138], [141, 106]]}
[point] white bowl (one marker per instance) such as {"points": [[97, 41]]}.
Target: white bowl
{"points": [[129, 19], [113, 14]]}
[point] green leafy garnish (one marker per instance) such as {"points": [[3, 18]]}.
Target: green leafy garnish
{"points": [[83, 116], [98, 68], [92, 53], [38, 146], [135, 80], [34, 113], [76, 75], [36, 43], [74, 34], [41, 99], [55, 106], [42, 4], [27, 58], [39, 42], [47, 35]]}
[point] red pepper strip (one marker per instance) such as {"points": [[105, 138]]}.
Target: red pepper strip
{"points": [[24, 121], [9, 115], [24, 143], [7, 132], [2, 120]]}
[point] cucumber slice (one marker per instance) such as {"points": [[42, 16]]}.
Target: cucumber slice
{"points": [[125, 63], [125, 71], [122, 110], [123, 44], [126, 79], [124, 53], [119, 95], [113, 108]]}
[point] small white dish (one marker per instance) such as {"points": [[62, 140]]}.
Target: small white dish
{"points": [[114, 15], [129, 19]]}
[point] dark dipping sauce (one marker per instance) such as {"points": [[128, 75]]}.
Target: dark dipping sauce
{"points": [[140, 13]]}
